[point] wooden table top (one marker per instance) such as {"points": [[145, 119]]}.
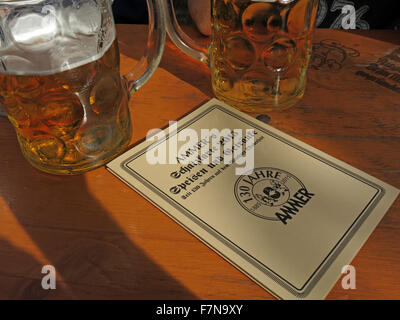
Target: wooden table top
{"points": [[107, 242]]}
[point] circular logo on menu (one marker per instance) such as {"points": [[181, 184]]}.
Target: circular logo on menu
{"points": [[269, 190]]}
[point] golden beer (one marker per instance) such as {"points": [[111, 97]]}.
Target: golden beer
{"points": [[72, 121], [260, 51]]}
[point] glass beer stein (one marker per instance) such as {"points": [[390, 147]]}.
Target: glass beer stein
{"points": [[259, 52], [60, 82]]}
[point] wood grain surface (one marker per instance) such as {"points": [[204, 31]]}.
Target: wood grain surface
{"points": [[107, 242]]}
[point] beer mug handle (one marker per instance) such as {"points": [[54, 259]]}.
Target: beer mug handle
{"points": [[154, 50], [180, 38]]}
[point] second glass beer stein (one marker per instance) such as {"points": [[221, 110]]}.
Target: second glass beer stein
{"points": [[259, 52], [60, 82]]}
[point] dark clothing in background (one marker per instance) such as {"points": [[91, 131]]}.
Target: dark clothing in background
{"points": [[130, 11], [135, 11], [370, 14]]}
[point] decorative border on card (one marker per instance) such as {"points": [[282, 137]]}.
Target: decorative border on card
{"points": [[306, 288]]}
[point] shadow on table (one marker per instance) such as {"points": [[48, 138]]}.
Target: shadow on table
{"points": [[18, 272], [93, 257]]}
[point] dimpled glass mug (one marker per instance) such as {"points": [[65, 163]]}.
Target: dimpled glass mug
{"points": [[259, 50], [60, 82]]}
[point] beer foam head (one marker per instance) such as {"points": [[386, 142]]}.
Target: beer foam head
{"points": [[50, 38]]}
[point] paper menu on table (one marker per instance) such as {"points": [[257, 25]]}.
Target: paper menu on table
{"points": [[290, 224]]}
